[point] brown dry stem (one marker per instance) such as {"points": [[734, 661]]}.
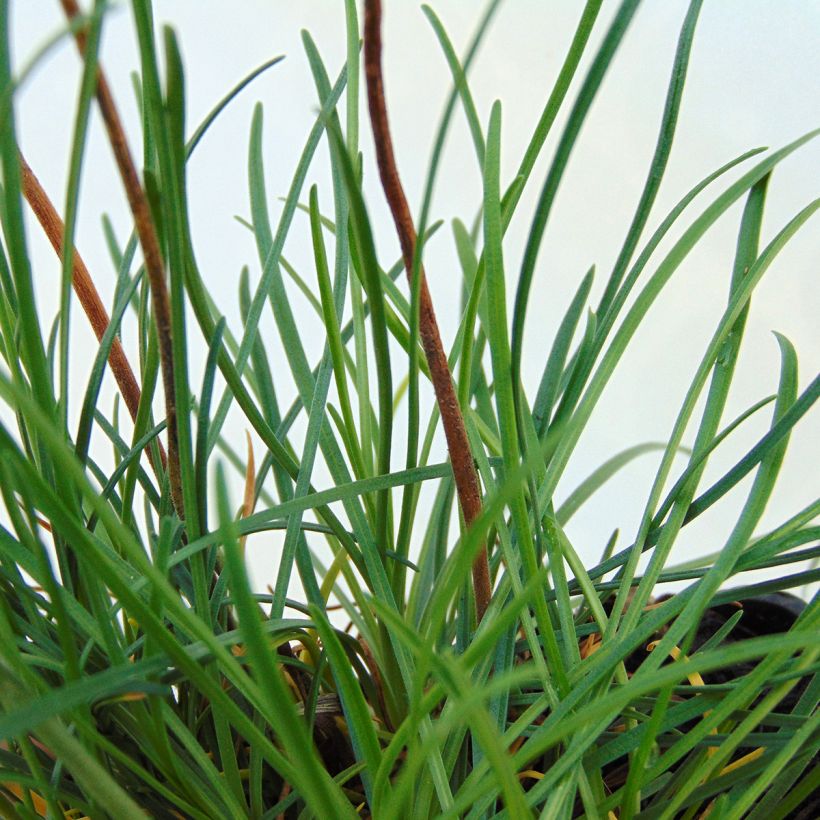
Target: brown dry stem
{"points": [[461, 458], [154, 264], [87, 294]]}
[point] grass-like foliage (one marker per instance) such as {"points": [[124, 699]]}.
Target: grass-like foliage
{"points": [[473, 665]]}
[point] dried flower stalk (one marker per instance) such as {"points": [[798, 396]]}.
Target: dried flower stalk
{"points": [[54, 228], [461, 458], [154, 264]]}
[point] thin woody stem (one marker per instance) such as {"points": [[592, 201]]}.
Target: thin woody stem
{"points": [[87, 294], [154, 264], [461, 458]]}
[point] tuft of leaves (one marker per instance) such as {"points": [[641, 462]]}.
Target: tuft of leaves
{"points": [[451, 657]]}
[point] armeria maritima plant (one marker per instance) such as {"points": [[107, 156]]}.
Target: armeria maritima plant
{"points": [[449, 653]]}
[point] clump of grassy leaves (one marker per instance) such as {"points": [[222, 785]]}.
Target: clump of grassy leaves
{"points": [[139, 671]]}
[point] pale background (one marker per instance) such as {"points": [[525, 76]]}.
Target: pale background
{"points": [[752, 82]]}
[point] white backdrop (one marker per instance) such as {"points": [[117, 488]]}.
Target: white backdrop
{"points": [[752, 82]]}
